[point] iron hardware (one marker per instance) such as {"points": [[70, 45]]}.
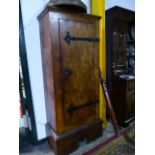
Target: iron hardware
{"points": [[67, 72], [68, 38]]}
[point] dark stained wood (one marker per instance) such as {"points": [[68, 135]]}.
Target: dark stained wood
{"points": [[124, 100], [70, 70], [118, 22], [118, 41]]}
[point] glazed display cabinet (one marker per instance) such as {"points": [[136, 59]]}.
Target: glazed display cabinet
{"points": [[120, 58]]}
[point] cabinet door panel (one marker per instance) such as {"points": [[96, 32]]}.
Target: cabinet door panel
{"points": [[80, 83]]}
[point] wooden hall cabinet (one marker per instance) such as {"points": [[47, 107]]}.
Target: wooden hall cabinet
{"points": [[70, 60]]}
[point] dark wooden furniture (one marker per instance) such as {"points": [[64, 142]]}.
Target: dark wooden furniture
{"points": [[123, 99], [120, 57], [70, 58]]}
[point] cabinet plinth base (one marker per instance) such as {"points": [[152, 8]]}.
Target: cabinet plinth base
{"points": [[70, 141]]}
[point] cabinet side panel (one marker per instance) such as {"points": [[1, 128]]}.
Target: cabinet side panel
{"points": [[54, 31], [109, 53], [48, 70]]}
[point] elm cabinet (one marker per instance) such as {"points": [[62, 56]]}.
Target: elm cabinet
{"points": [[120, 58], [70, 59]]}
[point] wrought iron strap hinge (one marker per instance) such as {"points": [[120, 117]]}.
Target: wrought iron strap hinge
{"points": [[68, 38], [73, 107]]}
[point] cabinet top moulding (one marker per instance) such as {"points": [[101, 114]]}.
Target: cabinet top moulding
{"points": [[65, 11], [117, 8]]}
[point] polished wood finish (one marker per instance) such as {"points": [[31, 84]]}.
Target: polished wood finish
{"points": [[109, 104], [118, 47], [70, 69]]}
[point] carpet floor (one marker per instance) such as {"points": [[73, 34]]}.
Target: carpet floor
{"points": [[124, 144], [45, 149]]}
